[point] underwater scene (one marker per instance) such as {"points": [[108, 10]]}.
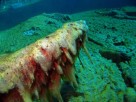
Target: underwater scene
{"points": [[67, 50]]}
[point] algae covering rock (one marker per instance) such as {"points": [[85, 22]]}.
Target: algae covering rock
{"points": [[109, 74], [37, 70]]}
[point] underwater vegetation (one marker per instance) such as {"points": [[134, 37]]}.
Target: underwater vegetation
{"points": [[38, 69], [108, 75]]}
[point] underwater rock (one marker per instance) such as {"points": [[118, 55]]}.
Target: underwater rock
{"points": [[130, 11], [29, 32], [130, 95], [59, 17], [116, 57], [119, 14], [37, 70], [98, 79], [115, 39], [32, 31]]}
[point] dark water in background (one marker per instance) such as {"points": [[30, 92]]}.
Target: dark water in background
{"points": [[15, 16]]}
